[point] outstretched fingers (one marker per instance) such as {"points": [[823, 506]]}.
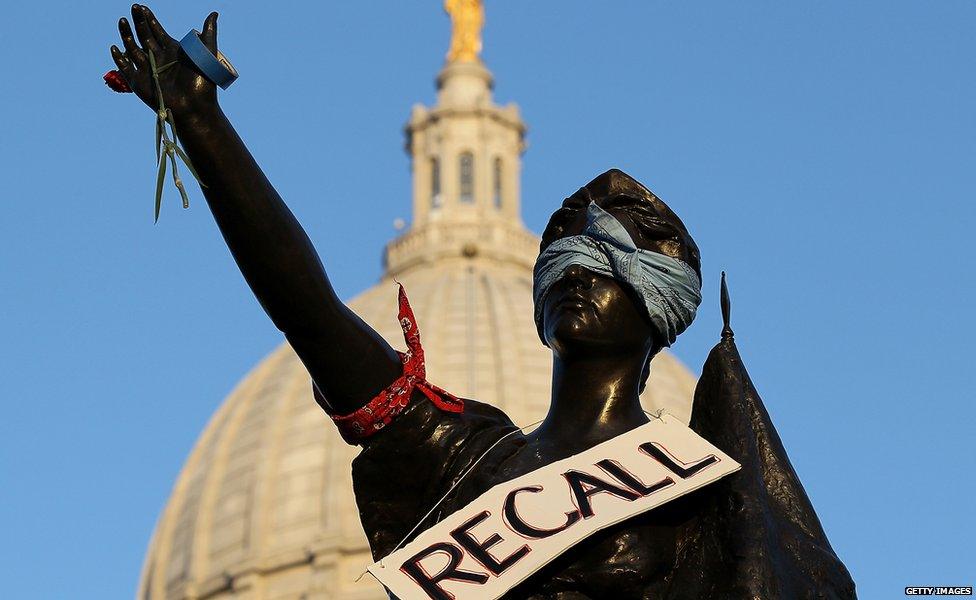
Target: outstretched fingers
{"points": [[209, 35], [162, 38], [125, 66], [132, 50], [146, 37]]}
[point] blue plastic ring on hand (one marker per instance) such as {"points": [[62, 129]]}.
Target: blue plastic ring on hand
{"points": [[216, 68]]}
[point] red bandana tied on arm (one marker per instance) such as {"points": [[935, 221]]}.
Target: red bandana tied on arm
{"points": [[385, 406]]}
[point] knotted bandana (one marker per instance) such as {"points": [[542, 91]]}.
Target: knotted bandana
{"points": [[385, 406], [669, 287]]}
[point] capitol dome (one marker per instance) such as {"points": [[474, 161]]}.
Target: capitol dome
{"points": [[263, 507]]}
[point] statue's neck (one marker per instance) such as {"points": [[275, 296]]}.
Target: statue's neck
{"points": [[594, 398]]}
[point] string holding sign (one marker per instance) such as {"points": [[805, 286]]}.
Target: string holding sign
{"points": [[468, 472]]}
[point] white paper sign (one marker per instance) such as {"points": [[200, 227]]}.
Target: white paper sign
{"points": [[517, 527]]}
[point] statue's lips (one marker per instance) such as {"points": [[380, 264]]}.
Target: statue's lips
{"points": [[574, 302]]}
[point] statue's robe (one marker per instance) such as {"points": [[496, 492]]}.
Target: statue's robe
{"points": [[753, 534]]}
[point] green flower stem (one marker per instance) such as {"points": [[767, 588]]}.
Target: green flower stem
{"points": [[167, 149]]}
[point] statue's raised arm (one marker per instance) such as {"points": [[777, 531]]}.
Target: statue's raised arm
{"points": [[349, 361]]}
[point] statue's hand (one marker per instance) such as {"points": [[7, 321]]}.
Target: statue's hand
{"points": [[185, 90]]}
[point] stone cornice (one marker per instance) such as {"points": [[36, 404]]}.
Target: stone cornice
{"points": [[499, 242]]}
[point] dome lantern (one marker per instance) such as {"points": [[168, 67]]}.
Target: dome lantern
{"points": [[465, 154]]}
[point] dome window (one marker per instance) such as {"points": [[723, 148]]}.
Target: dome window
{"points": [[497, 182], [466, 168], [436, 200]]}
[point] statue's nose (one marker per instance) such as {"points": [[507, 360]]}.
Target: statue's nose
{"points": [[579, 277]]}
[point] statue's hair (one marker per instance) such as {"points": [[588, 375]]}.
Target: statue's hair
{"points": [[614, 183]]}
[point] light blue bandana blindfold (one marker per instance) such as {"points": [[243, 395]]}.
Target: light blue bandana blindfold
{"points": [[669, 287]]}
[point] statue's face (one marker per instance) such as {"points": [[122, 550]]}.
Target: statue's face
{"points": [[589, 312], [595, 309]]}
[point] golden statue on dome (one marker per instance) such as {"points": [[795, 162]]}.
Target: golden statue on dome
{"points": [[467, 19]]}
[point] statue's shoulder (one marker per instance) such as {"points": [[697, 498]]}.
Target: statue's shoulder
{"points": [[422, 429], [484, 413], [404, 469]]}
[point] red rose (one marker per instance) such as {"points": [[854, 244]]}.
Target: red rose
{"points": [[114, 80]]}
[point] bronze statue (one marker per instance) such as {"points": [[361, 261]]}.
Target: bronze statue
{"points": [[752, 535]]}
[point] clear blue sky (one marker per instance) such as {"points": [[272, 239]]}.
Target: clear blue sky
{"points": [[824, 154]]}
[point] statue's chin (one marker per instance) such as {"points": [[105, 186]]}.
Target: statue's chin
{"points": [[574, 333]]}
